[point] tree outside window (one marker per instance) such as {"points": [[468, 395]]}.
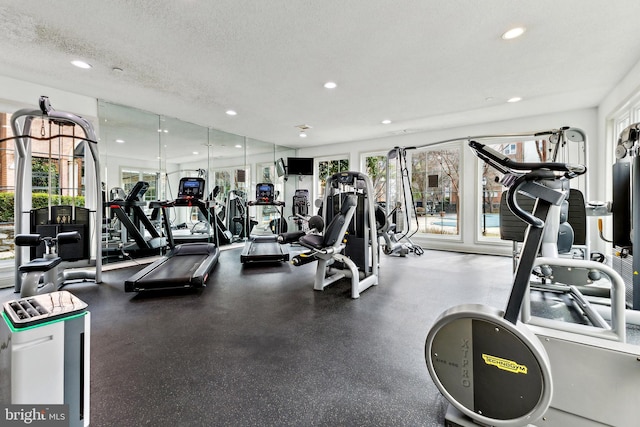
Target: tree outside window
{"points": [[435, 182], [491, 190], [327, 168], [376, 169]]}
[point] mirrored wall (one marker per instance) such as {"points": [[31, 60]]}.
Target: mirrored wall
{"points": [[141, 147]]}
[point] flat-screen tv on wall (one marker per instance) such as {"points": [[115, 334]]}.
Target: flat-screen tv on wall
{"points": [[299, 165]]}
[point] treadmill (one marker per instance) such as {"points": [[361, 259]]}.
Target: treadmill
{"points": [[185, 266], [130, 213], [263, 246]]}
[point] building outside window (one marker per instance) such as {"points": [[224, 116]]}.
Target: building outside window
{"points": [[435, 178], [491, 191]]}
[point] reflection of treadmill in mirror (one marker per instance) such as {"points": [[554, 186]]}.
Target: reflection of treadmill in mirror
{"points": [[140, 236], [187, 265], [191, 193], [262, 245]]}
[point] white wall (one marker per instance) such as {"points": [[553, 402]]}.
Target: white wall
{"points": [[19, 94]]}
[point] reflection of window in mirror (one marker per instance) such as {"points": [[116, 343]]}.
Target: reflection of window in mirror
{"points": [[266, 174], [129, 178], [222, 179]]}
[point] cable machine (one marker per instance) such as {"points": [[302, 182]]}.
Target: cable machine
{"points": [[21, 122], [400, 220]]}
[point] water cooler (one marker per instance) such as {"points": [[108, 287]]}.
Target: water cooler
{"points": [[44, 353]]}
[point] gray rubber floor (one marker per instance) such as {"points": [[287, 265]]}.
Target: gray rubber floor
{"points": [[259, 347]]}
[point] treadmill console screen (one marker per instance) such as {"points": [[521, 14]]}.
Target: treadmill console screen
{"points": [[265, 193], [191, 188]]}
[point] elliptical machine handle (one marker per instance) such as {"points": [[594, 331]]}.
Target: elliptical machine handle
{"points": [[505, 164], [512, 203]]}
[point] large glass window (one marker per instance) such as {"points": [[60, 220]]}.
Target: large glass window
{"points": [[375, 165], [327, 167], [435, 178], [129, 179], [490, 193]]}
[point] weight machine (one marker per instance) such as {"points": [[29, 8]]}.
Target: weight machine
{"points": [[349, 245], [398, 222], [21, 122]]}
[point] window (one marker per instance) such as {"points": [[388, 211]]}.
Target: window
{"points": [[129, 178], [326, 168], [491, 191], [509, 149], [233, 178], [45, 175], [435, 179], [375, 165], [621, 124]]}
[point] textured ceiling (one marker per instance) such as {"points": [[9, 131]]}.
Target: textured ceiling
{"points": [[422, 64]]}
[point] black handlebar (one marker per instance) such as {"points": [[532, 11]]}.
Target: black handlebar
{"points": [[523, 173], [505, 164]]}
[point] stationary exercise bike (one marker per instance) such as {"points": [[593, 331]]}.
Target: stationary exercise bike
{"points": [[498, 371], [42, 275]]}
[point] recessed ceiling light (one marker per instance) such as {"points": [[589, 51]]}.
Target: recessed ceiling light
{"points": [[231, 113], [514, 99], [513, 33], [120, 141], [330, 85], [386, 122], [81, 64], [195, 152], [303, 134], [238, 146]]}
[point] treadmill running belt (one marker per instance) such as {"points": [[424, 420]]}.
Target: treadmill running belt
{"points": [[187, 265], [175, 269]]}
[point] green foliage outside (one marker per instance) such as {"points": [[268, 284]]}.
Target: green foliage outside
{"points": [[42, 170], [328, 168], [39, 200], [376, 168]]}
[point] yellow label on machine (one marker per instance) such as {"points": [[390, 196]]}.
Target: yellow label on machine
{"points": [[504, 364]]}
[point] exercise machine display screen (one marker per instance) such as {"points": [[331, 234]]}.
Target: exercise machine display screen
{"points": [[191, 188], [265, 193]]}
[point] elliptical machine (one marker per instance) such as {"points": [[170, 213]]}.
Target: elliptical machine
{"points": [[495, 370]]}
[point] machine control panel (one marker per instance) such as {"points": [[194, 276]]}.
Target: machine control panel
{"points": [[265, 193], [191, 188]]}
